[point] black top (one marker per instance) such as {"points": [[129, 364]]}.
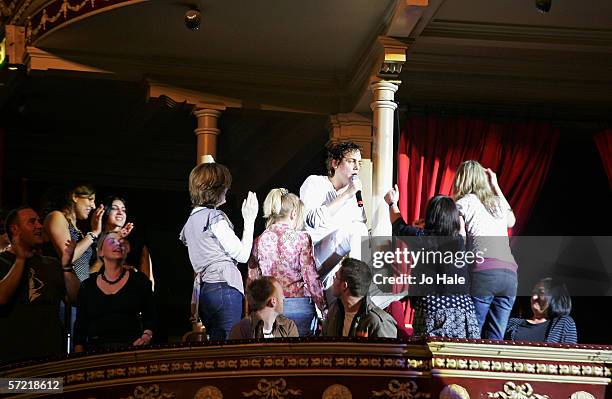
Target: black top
{"points": [[526, 331], [444, 263], [33, 308], [561, 329], [115, 319]]}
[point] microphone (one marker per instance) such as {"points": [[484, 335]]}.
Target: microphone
{"points": [[358, 193]]}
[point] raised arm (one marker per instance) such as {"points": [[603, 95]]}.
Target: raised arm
{"points": [[510, 218], [237, 249], [56, 228], [10, 282], [391, 198], [314, 197]]}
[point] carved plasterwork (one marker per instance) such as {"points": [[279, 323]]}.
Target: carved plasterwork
{"points": [[58, 12], [208, 392], [337, 391], [398, 390], [394, 57], [520, 367], [150, 392], [286, 363], [272, 390], [582, 395], [454, 391], [514, 391]]}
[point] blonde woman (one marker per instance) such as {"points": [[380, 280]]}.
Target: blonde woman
{"points": [[487, 216], [284, 252]]}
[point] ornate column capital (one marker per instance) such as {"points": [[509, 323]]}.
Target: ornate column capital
{"points": [[393, 58]]}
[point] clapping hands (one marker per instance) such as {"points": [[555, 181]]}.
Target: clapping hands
{"points": [[250, 207]]}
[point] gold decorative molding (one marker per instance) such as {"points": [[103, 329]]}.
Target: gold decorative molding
{"points": [[520, 367], [337, 391], [535, 354], [513, 391], [197, 98], [60, 12], [394, 57], [454, 391], [150, 392], [209, 392], [582, 395], [272, 390], [398, 390]]}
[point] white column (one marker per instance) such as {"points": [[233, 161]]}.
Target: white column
{"points": [[383, 108]]}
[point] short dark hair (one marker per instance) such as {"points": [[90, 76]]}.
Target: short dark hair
{"points": [[557, 297], [337, 151], [442, 217], [208, 183], [357, 275], [12, 218], [259, 291]]}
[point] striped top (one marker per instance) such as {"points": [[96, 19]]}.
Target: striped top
{"points": [[562, 330], [81, 265]]}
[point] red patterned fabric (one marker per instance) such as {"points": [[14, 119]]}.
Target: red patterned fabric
{"points": [[603, 141], [286, 254]]}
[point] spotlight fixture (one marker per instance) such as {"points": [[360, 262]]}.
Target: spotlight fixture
{"points": [[543, 6], [193, 18]]}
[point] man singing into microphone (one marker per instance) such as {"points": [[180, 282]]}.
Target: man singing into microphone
{"points": [[334, 218]]}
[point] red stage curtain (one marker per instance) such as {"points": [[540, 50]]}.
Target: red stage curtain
{"points": [[431, 148], [603, 141]]}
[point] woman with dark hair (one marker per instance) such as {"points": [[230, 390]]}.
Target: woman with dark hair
{"points": [[214, 249], [60, 226], [550, 320], [114, 219], [115, 305], [440, 310]]}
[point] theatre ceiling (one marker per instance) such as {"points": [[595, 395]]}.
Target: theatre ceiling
{"points": [[319, 56]]}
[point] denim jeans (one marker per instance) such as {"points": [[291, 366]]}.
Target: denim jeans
{"points": [[302, 312], [220, 309], [493, 293]]}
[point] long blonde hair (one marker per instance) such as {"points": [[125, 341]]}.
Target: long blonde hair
{"points": [[279, 203], [472, 179]]}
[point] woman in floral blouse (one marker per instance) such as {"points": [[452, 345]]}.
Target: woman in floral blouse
{"points": [[284, 252]]}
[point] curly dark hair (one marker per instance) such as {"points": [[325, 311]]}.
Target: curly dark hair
{"points": [[337, 151]]}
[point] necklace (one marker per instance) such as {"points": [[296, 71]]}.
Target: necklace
{"points": [[111, 282]]}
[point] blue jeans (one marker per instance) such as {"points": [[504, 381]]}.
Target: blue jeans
{"points": [[493, 293], [220, 308], [302, 312]]}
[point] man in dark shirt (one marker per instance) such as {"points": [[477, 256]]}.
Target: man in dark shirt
{"points": [[31, 288], [352, 314]]}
